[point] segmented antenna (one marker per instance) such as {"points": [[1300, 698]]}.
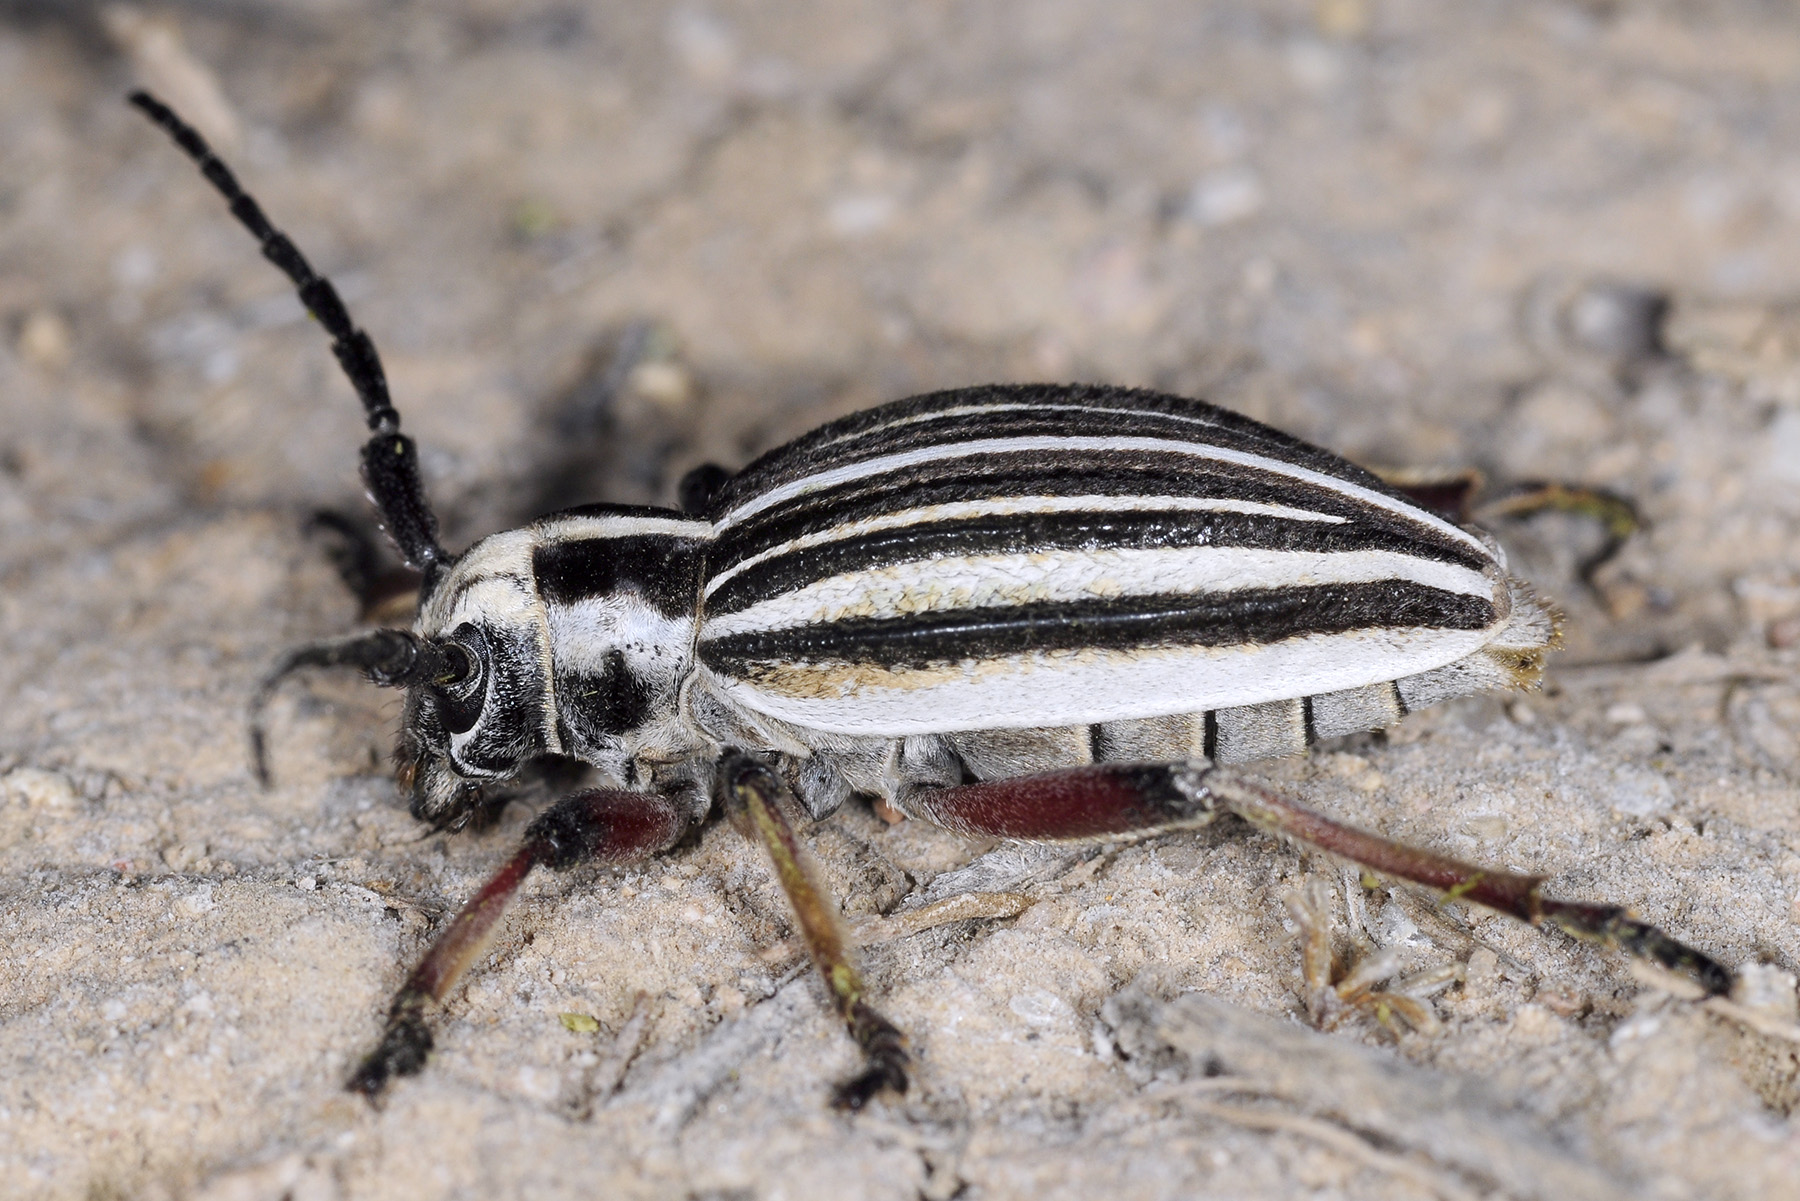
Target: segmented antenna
{"points": [[390, 460], [390, 658]]}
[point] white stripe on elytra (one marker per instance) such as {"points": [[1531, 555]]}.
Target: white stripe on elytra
{"points": [[1048, 442], [1027, 406], [1080, 687], [1002, 506], [579, 526], [993, 581]]}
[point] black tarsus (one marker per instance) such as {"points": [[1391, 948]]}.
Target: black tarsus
{"points": [[405, 1046], [884, 1050], [390, 460]]}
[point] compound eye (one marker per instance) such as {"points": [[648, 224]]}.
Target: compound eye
{"points": [[462, 694]]}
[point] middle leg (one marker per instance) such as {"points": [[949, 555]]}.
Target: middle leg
{"points": [[753, 796]]}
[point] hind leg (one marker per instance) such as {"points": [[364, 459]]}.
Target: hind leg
{"points": [[1107, 801]]}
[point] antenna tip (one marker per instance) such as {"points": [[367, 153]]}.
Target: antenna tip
{"points": [[259, 758]]}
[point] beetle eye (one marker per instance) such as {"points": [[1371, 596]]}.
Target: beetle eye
{"points": [[462, 688]]}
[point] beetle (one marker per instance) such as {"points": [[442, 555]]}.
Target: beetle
{"points": [[1052, 613]]}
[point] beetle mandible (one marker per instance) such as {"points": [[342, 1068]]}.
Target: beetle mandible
{"points": [[1052, 613]]}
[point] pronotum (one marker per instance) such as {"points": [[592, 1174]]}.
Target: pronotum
{"points": [[1032, 612]]}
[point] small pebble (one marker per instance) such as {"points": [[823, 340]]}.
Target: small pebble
{"points": [[45, 341], [1768, 989], [1621, 321]]}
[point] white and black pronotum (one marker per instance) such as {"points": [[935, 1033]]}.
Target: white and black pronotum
{"points": [[1032, 612]]}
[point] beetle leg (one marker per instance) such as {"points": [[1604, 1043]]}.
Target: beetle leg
{"points": [[387, 591], [1113, 800], [1449, 494], [1617, 517], [700, 487], [601, 824], [1452, 496], [753, 794]]}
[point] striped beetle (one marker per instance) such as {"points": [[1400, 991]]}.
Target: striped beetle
{"points": [[1030, 612]]}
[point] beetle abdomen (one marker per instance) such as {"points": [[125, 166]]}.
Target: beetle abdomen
{"points": [[1036, 556]]}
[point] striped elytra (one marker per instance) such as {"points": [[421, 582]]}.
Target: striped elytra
{"points": [[1036, 556]]}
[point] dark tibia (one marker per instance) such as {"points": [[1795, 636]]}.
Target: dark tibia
{"points": [[406, 1039], [1111, 801], [601, 825], [753, 794], [390, 460], [1515, 895]]}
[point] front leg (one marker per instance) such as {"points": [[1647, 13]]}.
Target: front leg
{"points": [[603, 825], [1113, 800]]}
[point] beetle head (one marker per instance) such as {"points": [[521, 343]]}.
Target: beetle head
{"points": [[478, 703], [474, 670]]}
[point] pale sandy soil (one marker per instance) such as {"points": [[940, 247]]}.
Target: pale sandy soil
{"points": [[1376, 225]]}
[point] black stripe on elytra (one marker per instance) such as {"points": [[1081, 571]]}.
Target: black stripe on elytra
{"points": [[662, 568], [1121, 411], [1185, 454], [1073, 533], [1309, 731], [1012, 474], [1209, 738], [1069, 473], [1040, 423], [1248, 618]]}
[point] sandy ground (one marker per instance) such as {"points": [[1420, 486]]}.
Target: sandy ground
{"points": [[1410, 237]]}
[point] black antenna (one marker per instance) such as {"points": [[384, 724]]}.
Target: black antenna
{"points": [[390, 461], [390, 658]]}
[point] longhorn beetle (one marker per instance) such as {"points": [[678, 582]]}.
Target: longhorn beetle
{"points": [[1031, 612]]}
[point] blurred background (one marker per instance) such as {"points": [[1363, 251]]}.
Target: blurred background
{"points": [[598, 244]]}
